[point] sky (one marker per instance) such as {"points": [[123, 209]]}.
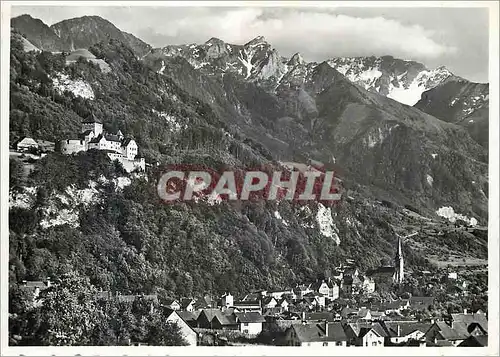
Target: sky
{"points": [[454, 37]]}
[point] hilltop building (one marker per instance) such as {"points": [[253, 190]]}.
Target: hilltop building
{"points": [[93, 136]]}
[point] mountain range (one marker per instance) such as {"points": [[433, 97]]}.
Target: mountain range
{"points": [[402, 165], [72, 34]]}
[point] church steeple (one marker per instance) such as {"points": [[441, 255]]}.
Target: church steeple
{"points": [[399, 262]]}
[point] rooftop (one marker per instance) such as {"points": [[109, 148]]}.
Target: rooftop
{"points": [[92, 119]]}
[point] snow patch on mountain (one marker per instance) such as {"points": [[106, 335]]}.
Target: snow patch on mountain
{"points": [[78, 87], [425, 80], [162, 69], [366, 78], [450, 214], [246, 60], [403, 81]]}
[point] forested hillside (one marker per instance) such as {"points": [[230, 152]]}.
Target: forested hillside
{"points": [[73, 215]]}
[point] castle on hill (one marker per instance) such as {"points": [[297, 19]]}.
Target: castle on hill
{"points": [[92, 136]]}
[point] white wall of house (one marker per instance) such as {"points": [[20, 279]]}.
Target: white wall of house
{"points": [[320, 300], [130, 150], [26, 143], [251, 328], [324, 289], [284, 305], [371, 339], [271, 304], [335, 292], [115, 146], [227, 300]]}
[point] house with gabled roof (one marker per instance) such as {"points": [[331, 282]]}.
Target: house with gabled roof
{"points": [[474, 341], [216, 319], [187, 304], [226, 301], [364, 314], [316, 334], [440, 330], [187, 332], [25, 144], [403, 331], [189, 316], [171, 303], [283, 304], [269, 302], [327, 288], [471, 320], [249, 322], [34, 287], [365, 334]]}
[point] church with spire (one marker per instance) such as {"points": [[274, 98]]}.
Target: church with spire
{"points": [[399, 263], [391, 272]]}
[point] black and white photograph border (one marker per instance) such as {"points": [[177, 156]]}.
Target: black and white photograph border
{"points": [[319, 138]]}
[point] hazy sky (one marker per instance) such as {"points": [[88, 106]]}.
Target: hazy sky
{"points": [[454, 37]]}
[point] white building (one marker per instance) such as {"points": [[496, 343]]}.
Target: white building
{"points": [[249, 322], [227, 300], [25, 144]]}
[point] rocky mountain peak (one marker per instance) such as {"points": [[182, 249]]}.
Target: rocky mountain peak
{"points": [[296, 59], [70, 34], [214, 41], [259, 40]]}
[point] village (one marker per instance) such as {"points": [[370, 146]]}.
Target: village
{"points": [[342, 309]]}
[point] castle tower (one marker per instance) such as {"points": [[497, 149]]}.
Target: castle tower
{"points": [[92, 123], [399, 263]]}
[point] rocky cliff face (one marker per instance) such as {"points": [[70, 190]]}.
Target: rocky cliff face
{"points": [[460, 102]]}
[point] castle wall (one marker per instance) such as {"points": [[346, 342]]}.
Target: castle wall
{"points": [[72, 146], [128, 165]]}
